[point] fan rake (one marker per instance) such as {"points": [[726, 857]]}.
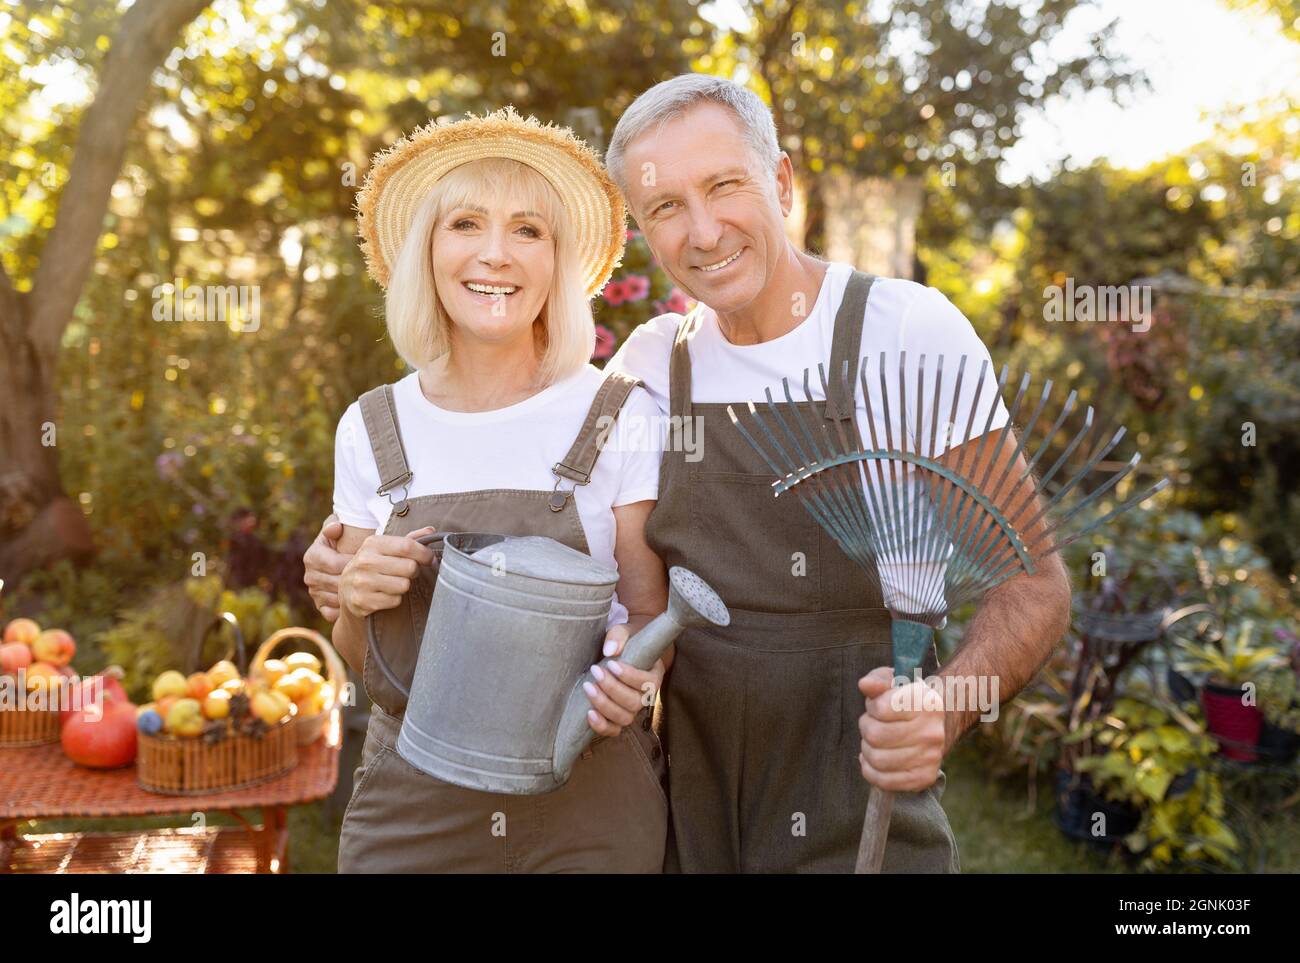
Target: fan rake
{"points": [[932, 522]]}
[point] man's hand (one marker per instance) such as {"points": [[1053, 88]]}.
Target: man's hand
{"points": [[618, 695], [324, 564], [903, 732]]}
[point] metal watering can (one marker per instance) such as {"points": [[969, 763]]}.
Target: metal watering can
{"points": [[496, 702]]}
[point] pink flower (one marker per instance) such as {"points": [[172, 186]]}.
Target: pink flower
{"points": [[604, 344], [614, 294], [636, 287], [676, 302]]}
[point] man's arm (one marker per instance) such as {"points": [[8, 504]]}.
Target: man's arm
{"points": [[1020, 622]]}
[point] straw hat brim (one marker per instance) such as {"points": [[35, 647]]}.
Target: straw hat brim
{"points": [[401, 177]]}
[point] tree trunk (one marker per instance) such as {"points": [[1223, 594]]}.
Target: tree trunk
{"points": [[38, 522]]}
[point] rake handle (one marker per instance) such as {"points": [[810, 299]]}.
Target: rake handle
{"points": [[911, 640]]}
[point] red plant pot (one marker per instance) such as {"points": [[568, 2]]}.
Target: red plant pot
{"points": [[1234, 724]]}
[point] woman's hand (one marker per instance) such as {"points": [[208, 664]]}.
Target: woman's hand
{"points": [[617, 695], [380, 572]]}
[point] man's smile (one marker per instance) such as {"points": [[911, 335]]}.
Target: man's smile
{"points": [[719, 265]]}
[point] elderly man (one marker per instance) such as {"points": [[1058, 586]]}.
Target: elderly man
{"points": [[762, 720]]}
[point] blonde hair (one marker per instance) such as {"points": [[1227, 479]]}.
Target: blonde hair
{"points": [[418, 323]]}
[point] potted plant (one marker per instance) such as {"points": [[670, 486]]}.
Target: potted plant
{"points": [[1230, 663], [1155, 763]]}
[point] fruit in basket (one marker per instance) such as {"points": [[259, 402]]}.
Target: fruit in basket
{"points": [[302, 660], [315, 703], [22, 630], [170, 683], [54, 646], [217, 704], [149, 722], [15, 656], [199, 686], [269, 706], [221, 673], [273, 670], [165, 704], [104, 739], [234, 687], [184, 718], [299, 684], [42, 675]]}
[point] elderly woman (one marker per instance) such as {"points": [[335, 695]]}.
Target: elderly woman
{"points": [[490, 236]]}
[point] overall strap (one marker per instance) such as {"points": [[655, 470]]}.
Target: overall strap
{"points": [[380, 414], [580, 461], [846, 346], [679, 366]]}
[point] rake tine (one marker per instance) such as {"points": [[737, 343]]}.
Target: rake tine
{"points": [[880, 531]]}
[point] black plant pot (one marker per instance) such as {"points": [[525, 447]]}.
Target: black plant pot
{"points": [[1076, 804], [1277, 745]]}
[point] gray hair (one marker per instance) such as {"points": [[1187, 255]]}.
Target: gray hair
{"points": [[669, 100]]}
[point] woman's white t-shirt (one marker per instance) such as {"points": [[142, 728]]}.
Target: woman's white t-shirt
{"points": [[511, 447], [901, 316]]}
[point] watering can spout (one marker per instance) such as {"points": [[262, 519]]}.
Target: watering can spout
{"points": [[690, 603]]}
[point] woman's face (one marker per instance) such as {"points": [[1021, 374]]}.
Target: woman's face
{"points": [[492, 263]]}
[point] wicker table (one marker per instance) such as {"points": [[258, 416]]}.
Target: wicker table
{"points": [[42, 783]]}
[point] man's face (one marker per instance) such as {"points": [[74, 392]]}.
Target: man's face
{"points": [[711, 211]]}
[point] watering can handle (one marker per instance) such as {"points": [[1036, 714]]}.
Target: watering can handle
{"points": [[372, 641]]}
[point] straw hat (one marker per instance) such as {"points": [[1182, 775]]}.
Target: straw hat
{"points": [[401, 177]]}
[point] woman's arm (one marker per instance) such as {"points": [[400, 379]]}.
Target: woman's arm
{"points": [[618, 695]]}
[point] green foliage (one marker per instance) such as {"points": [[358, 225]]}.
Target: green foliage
{"points": [[1277, 691], [1231, 660], [170, 630], [1145, 747], [83, 601]]}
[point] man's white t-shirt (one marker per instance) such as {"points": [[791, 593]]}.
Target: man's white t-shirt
{"points": [[901, 316], [511, 447]]}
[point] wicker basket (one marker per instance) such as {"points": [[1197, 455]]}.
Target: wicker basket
{"points": [[309, 728], [180, 766], [190, 767], [28, 727]]}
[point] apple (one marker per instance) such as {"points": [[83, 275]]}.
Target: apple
{"points": [[299, 684], [170, 683], [104, 741], [302, 660], [221, 673], [270, 706], [184, 718], [54, 646], [22, 630], [199, 686], [165, 704], [273, 670], [217, 704], [42, 675], [234, 686], [14, 656]]}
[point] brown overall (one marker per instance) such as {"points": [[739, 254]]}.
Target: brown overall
{"points": [[760, 719], [611, 816]]}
